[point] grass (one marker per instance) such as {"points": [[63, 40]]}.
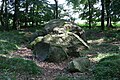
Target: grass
{"points": [[102, 42], [106, 55], [107, 35], [111, 57], [18, 65], [11, 67], [14, 68], [102, 56], [79, 77], [106, 48], [108, 68], [100, 50], [60, 77], [10, 41], [85, 24]]}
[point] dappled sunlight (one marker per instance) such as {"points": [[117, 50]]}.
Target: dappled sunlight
{"points": [[100, 48], [108, 68], [24, 52], [51, 65], [3, 40], [59, 40], [101, 56], [7, 47], [11, 41], [3, 55], [28, 34], [117, 43], [98, 41]]}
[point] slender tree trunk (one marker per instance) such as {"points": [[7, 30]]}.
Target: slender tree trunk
{"points": [[90, 15], [1, 15], [26, 12], [6, 16], [102, 15], [56, 9], [33, 15], [15, 18], [109, 24], [37, 15]]}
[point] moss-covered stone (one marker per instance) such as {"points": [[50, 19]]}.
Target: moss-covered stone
{"points": [[56, 54], [79, 65], [37, 40], [49, 52], [59, 42]]}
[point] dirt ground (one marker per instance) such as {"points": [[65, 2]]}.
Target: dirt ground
{"points": [[50, 70]]}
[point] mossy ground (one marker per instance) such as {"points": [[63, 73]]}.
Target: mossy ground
{"points": [[108, 68], [104, 54], [105, 51], [13, 68], [10, 41], [64, 78]]}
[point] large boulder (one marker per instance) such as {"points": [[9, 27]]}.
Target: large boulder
{"points": [[61, 39], [61, 26], [79, 65], [53, 24], [49, 52]]}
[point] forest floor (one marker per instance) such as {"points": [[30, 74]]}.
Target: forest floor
{"points": [[50, 70], [102, 43]]}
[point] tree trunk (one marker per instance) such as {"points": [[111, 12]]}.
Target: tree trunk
{"points": [[15, 18], [109, 24], [33, 15], [56, 9], [37, 15], [1, 15], [102, 15], [6, 16], [90, 15], [26, 13]]}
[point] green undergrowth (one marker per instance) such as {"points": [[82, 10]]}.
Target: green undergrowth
{"points": [[105, 51], [108, 68], [106, 48], [108, 35], [11, 67], [10, 41], [80, 77], [112, 35], [100, 56], [64, 78], [102, 49], [102, 42]]}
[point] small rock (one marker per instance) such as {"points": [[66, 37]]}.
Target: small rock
{"points": [[80, 64]]}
